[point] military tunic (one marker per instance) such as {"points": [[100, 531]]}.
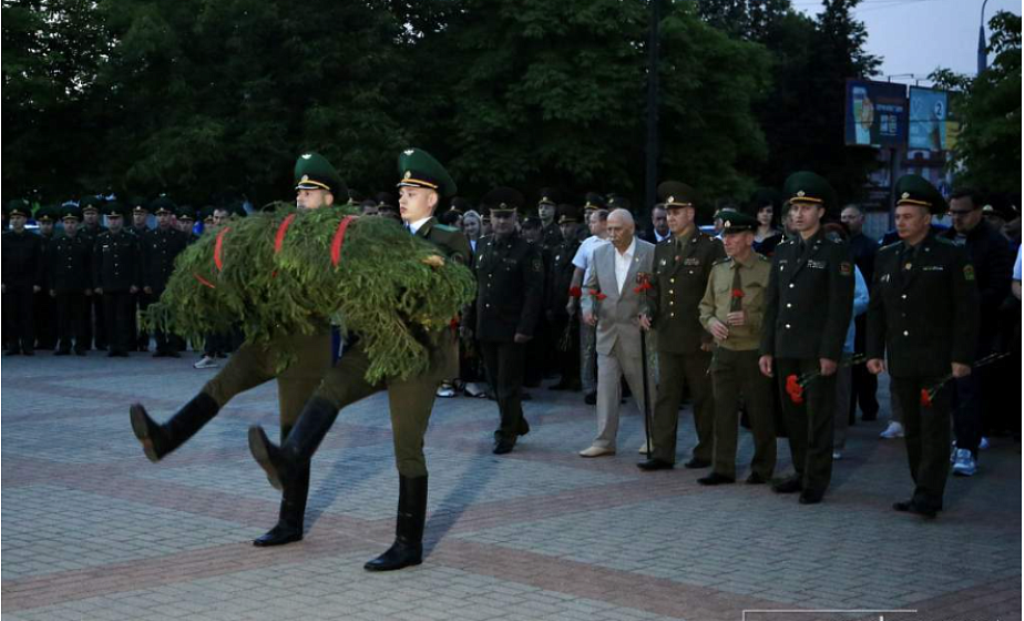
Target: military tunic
{"points": [[116, 267], [735, 372], [557, 283], [160, 247], [510, 295], [22, 272], [69, 281], [681, 270], [808, 308], [95, 324], [924, 316], [44, 308]]}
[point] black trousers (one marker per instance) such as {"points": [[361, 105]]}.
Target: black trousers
{"points": [[810, 424], [926, 431], [72, 314], [505, 364], [17, 309], [142, 300], [96, 325], [117, 311], [865, 384], [45, 318], [566, 336]]}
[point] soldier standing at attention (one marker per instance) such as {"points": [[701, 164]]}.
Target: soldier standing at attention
{"points": [[22, 278], [557, 284], [682, 264], [90, 229], [43, 309], [423, 182], [316, 185], [807, 314], [68, 283], [141, 300], [160, 247], [510, 292], [116, 266], [732, 311], [923, 317]]}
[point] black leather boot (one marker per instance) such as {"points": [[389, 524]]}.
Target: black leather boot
{"points": [[407, 550], [292, 516], [284, 464], [159, 440]]}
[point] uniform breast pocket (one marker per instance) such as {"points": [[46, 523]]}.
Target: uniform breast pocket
{"points": [[753, 296]]}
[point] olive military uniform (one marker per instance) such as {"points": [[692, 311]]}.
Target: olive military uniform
{"points": [[740, 286], [681, 270], [116, 265], [923, 315], [807, 313], [69, 281], [22, 273], [510, 293]]}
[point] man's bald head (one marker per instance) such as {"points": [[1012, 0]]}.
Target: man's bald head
{"points": [[620, 229]]}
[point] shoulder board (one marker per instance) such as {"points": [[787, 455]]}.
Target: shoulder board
{"points": [[446, 228], [786, 242], [890, 247], [944, 241], [723, 261], [763, 258], [667, 241]]}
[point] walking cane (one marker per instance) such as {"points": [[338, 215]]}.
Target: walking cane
{"points": [[644, 284]]}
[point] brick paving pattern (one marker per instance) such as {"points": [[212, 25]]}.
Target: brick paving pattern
{"points": [[92, 530]]}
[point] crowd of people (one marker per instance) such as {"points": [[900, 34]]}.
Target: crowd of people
{"points": [[779, 316]]}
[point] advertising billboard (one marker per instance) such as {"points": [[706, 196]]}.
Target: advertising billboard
{"points": [[876, 114], [929, 111]]}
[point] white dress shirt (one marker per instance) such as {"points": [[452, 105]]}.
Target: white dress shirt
{"points": [[623, 260], [585, 255], [415, 226]]}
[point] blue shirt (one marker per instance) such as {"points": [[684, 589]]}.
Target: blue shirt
{"points": [[860, 305]]}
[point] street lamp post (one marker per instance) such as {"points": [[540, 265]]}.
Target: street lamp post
{"points": [[982, 46]]}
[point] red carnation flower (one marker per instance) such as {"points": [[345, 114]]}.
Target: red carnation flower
{"points": [[926, 398], [794, 390], [597, 294], [576, 292]]}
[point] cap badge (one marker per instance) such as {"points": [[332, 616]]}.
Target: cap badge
{"points": [[801, 193], [409, 151], [671, 199], [408, 174], [306, 156], [305, 178], [905, 196], [727, 224]]}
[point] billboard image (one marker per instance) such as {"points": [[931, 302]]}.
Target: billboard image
{"points": [[928, 114], [876, 114]]}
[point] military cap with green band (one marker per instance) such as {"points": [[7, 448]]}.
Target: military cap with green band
{"points": [[163, 204], [810, 188], [314, 172], [46, 213], [548, 196], [113, 209], [675, 194], [419, 169], [70, 212], [916, 190], [595, 201], [737, 222], [90, 203], [617, 201], [18, 207], [568, 214], [503, 200]]}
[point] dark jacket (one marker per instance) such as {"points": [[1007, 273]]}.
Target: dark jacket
{"points": [[559, 277], [159, 249], [809, 299], [68, 264], [677, 287], [22, 259], [992, 257], [116, 262], [924, 317], [510, 289]]}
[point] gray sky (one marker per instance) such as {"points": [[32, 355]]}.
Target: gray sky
{"points": [[918, 36]]}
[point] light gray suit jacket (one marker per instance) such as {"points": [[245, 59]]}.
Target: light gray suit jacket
{"points": [[617, 313]]}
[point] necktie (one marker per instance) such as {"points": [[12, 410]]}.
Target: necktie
{"points": [[736, 299]]}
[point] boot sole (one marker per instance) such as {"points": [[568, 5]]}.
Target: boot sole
{"points": [[140, 426], [258, 447]]}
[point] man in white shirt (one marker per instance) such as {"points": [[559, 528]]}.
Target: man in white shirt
{"points": [[597, 222], [613, 303]]}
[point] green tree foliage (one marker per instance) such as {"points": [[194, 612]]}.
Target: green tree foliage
{"points": [[988, 150]]}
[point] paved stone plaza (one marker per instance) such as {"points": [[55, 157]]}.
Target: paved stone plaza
{"points": [[92, 531]]}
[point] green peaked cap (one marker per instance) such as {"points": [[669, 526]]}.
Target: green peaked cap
{"points": [[676, 194], [737, 222], [314, 172], [419, 169], [809, 187], [916, 190]]}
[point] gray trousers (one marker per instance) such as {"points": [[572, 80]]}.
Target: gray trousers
{"points": [[610, 371]]}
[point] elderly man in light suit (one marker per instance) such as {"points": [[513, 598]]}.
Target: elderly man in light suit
{"points": [[613, 302]]}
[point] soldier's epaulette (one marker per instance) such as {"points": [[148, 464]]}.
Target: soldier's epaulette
{"points": [[785, 242], [446, 228], [722, 261], [890, 247], [762, 257], [944, 240], [666, 241]]}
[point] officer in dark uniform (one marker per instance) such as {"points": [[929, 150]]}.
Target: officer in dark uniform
{"points": [[160, 248], [593, 202], [141, 300], [807, 313], [317, 183], [22, 278], [923, 317], [547, 211], [69, 279], [423, 182], [510, 293], [186, 219], [116, 274], [557, 284], [43, 308], [682, 265], [90, 229]]}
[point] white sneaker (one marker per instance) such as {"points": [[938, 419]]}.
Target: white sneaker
{"points": [[205, 362], [836, 455], [446, 391], [965, 465], [983, 445], [474, 389], [643, 448], [952, 453], [893, 431]]}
